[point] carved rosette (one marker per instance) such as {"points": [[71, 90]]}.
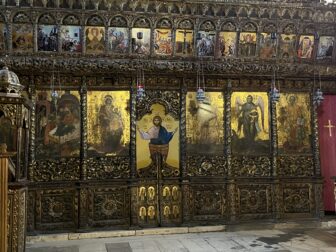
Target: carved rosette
{"points": [[208, 202], [206, 165], [108, 206], [297, 199], [101, 168], [56, 209], [57, 170], [255, 200], [251, 166], [296, 166]]}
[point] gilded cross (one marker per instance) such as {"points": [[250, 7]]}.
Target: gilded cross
{"points": [[329, 126]]}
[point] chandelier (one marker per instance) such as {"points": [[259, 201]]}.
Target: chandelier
{"points": [[55, 95], [140, 84], [200, 93], [318, 94], [275, 93]]}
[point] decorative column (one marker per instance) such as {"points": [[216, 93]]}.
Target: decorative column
{"points": [[227, 127], [83, 150], [277, 198], [4, 155], [185, 187], [133, 109], [183, 122], [316, 145], [31, 156], [231, 187], [316, 100]]}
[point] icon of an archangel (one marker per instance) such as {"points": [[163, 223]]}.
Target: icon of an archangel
{"points": [[250, 116]]}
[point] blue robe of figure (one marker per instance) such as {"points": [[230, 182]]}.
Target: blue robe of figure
{"points": [[164, 137]]}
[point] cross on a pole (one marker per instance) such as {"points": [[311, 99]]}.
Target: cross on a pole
{"points": [[329, 126]]}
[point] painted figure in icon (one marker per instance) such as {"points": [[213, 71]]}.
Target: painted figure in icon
{"points": [[95, 39], [142, 213], [151, 212], [111, 125], [293, 122], [206, 44], [306, 48], [247, 44], [151, 193], [158, 136], [175, 193], [287, 46], [163, 42], [47, 37], [166, 212], [248, 118], [67, 130], [142, 193], [118, 39], [326, 47]]}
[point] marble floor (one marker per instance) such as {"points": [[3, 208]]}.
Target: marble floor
{"points": [[298, 240]]}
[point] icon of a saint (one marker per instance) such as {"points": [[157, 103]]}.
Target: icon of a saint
{"points": [[158, 137]]}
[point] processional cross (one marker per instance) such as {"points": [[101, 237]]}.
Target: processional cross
{"points": [[329, 126]]}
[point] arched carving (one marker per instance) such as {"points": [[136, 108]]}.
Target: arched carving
{"points": [[220, 12], [175, 9], [118, 21], [21, 17], [249, 27], [296, 15], [270, 27], [207, 26], [229, 26], [289, 29], [142, 22], [47, 19], [71, 20], [231, 12], [95, 20], [309, 29], [242, 12], [329, 17], [164, 23], [265, 14], [275, 14], [318, 17], [209, 11], [163, 8], [253, 13], [186, 24], [286, 14]]}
